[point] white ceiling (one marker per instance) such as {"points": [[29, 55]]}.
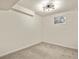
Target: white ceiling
{"points": [[61, 5], [35, 5], [7, 4]]}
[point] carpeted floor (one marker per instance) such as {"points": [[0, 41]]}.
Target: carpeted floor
{"points": [[43, 51]]}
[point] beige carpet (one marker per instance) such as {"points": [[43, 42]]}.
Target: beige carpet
{"points": [[43, 51]]}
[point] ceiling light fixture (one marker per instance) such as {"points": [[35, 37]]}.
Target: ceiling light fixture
{"points": [[49, 6]]}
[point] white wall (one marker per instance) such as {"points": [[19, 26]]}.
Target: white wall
{"points": [[18, 31], [61, 34]]}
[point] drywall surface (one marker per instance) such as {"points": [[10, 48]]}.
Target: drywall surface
{"points": [[61, 34], [18, 31]]}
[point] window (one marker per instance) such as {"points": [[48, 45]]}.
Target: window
{"points": [[59, 19]]}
